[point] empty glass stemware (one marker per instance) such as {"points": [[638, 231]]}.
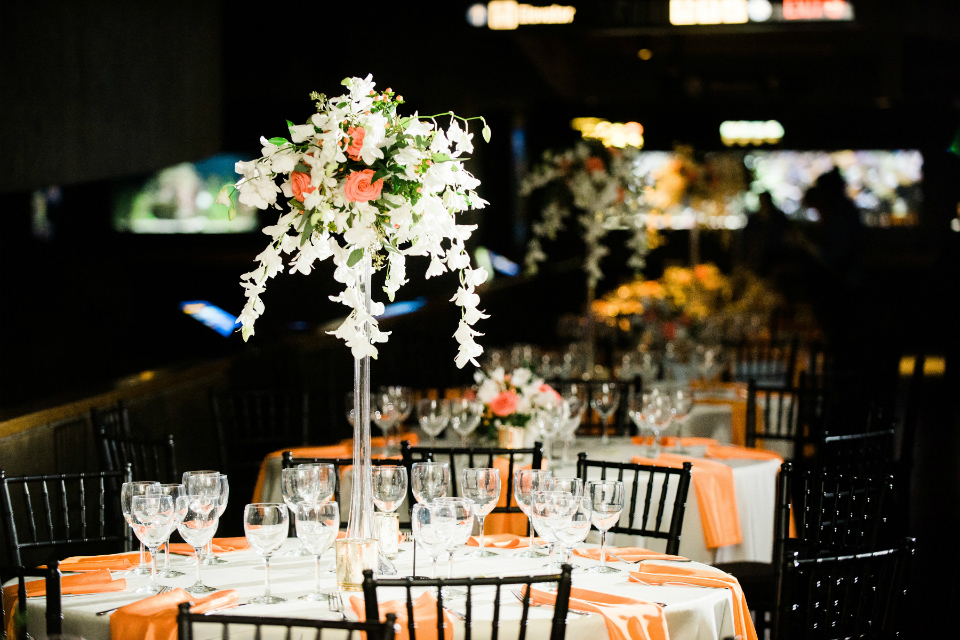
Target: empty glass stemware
{"points": [[542, 522], [461, 528], [127, 491], [429, 480], [434, 415], [570, 518], [575, 399], [297, 485], [266, 525], [681, 403], [525, 483], [317, 527], [386, 414], [154, 518], [483, 487], [174, 491], [465, 416], [197, 521], [605, 400], [389, 487], [223, 497], [657, 411], [573, 486], [432, 526], [202, 483], [606, 505], [547, 421]]}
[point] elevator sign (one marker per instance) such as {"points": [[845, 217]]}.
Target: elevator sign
{"points": [[689, 12]]}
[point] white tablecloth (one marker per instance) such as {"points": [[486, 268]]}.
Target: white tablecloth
{"points": [[692, 613]]}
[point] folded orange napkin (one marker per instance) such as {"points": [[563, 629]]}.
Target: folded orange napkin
{"points": [[220, 545], [113, 562], [502, 541], [98, 581], [631, 554], [716, 497], [424, 616], [727, 452], [660, 574], [155, 618], [626, 618]]}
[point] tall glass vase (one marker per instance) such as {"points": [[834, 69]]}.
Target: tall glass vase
{"points": [[359, 549]]}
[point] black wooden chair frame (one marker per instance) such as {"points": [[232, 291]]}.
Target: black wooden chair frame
{"points": [[800, 424], [148, 458], [684, 474], [54, 613]]}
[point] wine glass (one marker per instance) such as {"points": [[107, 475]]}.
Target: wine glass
{"points": [[197, 521], [657, 412], [575, 398], [605, 400], [636, 411], [525, 482], [154, 518], [483, 487], [298, 484], [127, 491], [223, 496], [174, 491], [570, 518], [203, 483], [461, 529], [434, 416], [326, 479], [429, 480], [572, 486], [404, 400], [317, 526], [606, 505], [432, 526], [547, 421], [386, 415], [266, 525], [389, 487], [465, 416], [541, 519], [681, 403]]}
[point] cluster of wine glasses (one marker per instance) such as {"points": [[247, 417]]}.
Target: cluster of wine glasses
{"points": [[390, 407], [462, 414], [654, 411]]}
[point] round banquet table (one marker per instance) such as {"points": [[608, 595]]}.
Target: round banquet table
{"points": [[692, 613]]}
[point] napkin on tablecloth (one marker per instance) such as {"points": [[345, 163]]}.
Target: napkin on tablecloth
{"points": [[671, 441], [113, 562], [98, 581], [502, 541], [656, 574], [732, 452], [424, 615], [220, 545], [631, 554], [716, 497], [155, 618], [626, 618]]}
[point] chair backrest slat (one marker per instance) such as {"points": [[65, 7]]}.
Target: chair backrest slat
{"points": [[149, 459]]}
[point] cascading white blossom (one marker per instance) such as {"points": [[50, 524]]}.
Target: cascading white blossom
{"points": [[363, 183]]}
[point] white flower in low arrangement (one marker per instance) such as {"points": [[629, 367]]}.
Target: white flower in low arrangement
{"points": [[366, 187]]}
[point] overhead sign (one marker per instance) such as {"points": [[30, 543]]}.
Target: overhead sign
{"points": [[746, 132], [690, 12], [505, 15]]}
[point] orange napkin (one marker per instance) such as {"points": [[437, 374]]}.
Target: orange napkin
{"points": [[727, 452], [502, 541], [113, 562], [671, 441], [626, 618], [732, 394], [424, 614], [627, 553], [660, 574], [716, 497], [155, 618], [220, 545], [98, 581]]}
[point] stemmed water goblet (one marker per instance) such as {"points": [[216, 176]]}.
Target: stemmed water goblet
{"points": [[298, 484], [605, 400], [570, 518], [465, 417], [266, 525], [174, 491], [575, 399], [657, 412], [197, 521], [127, 491], [483, 487], [326, 479], [155, 518], [525, 483], [547, 421], [460, 531], [222, 498], [573, 486], [606, 504], [434, 416], [429, 480], [432, 526], [387, 414], [389, 491], [681, 403], [317, 526], [539, 511], [204, 483], [636, 411]]}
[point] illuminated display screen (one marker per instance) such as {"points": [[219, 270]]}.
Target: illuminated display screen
{"points": [[210, 315]]}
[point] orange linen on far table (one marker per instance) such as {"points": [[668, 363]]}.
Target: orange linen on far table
{"points": [[503, 541], [515, 523], [734, 395], [716, 497], [155, 618], [98, 581], [626, 618], [424, 616], [630, 554], [671, 441], [722, 452], [220, 545]]}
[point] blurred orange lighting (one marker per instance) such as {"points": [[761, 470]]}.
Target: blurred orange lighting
{"points": [[611, 134], [645, 54]]}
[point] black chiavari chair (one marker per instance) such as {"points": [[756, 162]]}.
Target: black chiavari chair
{"points": [[772, 362], [148, 459], [862, 454], [522, 584], [843, 596], [186, 620], [114, 420], [53, 512], [339, 464], [478, 456], [786, 414], [655, 506], [54, 610]]}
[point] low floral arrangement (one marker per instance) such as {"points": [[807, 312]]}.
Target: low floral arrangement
{"points": [[510, 399], [364, 185]]}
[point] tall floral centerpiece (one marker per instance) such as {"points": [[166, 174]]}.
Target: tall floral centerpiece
{"points": [[366, 187], [509, 401]]}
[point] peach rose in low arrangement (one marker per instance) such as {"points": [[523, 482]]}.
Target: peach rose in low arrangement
{"points": [[511, 399]]}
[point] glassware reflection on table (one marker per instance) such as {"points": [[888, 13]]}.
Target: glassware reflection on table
{"points": [[434, 415], [460, 531], [203, 483], [389, 492], [127, 491], [154, 517], [547, 421], [570, 518], [432, 526], [525, 483], [317, 527], [483, 487], [575, 398], [681, 403], [298, 484], [465, 414], [174, 491], [541, 522], [266, 525], [197, 521], [605, 400], [606, 504]]}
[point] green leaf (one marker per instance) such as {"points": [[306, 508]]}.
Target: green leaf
{"points": [[289, 125], [381, 173], [390, 248], [341, 105], [315, 217], [231, 213], [307, 232], [441, 157], [302, 167], [421, 143], [355, 257], [486, 132], [278, 141], [218, 209], [296, 204]]}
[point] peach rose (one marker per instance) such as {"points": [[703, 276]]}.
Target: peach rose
{"points": [[505, 403], [358, 187], [545, 388], [300, 184], [356, 141]]}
